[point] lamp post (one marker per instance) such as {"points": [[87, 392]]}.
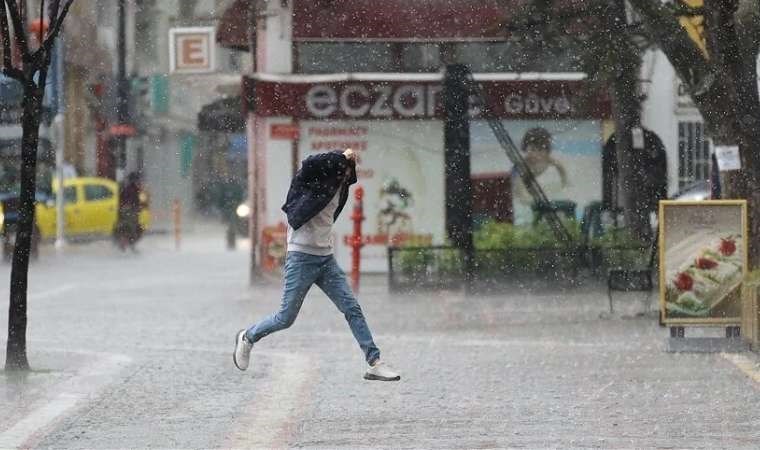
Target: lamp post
{"points": [[122, 89]]}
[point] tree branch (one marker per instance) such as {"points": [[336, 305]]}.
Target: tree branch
{"points": [[687, 59], [53, 12], [6, 36], [42, 20], [18, 29], [56, 23]]}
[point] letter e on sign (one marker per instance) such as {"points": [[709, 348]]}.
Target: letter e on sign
{"points": [[192, 49]]}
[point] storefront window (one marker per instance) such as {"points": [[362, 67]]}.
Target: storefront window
{"points": [[693, 154], [332, 57], [327, 57], [511, 57], [420, 57]]}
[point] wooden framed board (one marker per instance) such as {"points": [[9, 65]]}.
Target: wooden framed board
{"points": [[703, 262]]}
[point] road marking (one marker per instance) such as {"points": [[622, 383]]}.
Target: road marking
{"points": [[47, 293], [89, 379], [52, 292], [750, 367], [272, 419]]}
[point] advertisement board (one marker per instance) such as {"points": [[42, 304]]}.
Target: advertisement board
{"points": [[569, 170], [395, 124], [400, 167], [703, 261], [192, 49]]}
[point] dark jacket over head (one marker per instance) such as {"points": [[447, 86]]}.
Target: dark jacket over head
{"points": [[315, 184]]}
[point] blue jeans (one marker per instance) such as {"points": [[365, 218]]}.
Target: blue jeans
{"points": [[301, 272]]}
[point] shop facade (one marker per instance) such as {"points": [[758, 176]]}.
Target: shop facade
{"points": [[395, 124], [331, 75]]}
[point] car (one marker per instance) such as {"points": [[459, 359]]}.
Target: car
{"points": [[91, 207]]}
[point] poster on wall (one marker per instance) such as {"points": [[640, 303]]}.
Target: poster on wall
{"points": [[565, 156], [400, 167], [703, 260]]}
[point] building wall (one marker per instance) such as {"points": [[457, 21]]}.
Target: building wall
{"points": [[665, 111], [169, 135]]}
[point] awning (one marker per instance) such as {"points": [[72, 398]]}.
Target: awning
{"points": [[232, 31], [397, 20], [433, 20], [224, 115]]}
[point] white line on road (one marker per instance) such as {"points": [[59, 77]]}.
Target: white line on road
{"points": [[748, 366], [48, 292], [89, 379], [271, 420], [53, 292]]}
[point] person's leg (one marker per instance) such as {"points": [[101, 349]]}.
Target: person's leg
{"points": [[300, 272], [333, 282]]}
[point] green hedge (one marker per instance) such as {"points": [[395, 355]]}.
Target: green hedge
{"points": [[503, 247]]}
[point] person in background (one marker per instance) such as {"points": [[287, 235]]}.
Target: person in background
{"points": [[317, 195], [128, 230]]}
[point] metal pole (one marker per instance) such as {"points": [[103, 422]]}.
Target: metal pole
{"points": [[60, 133], [253, 163], [457, 165], [58, 123], [122, 107], [356, 238]]}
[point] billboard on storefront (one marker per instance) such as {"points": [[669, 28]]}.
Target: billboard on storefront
{"points": [[703, 261], [395, 124], [400, 167], [570, 171]]}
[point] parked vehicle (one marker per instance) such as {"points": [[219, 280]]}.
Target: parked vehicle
{"points": [[90, 209]]}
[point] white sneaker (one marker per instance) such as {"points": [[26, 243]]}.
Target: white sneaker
{"points": [[242, 354], [381, 372]]}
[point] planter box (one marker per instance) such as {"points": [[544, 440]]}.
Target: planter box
{"points": [[751, 313]]}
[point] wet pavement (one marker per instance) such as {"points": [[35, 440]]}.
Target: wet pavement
{"points": [[134, 351]]}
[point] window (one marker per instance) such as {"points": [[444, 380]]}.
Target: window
{"points": [[69, 195], [513, 57], [327, 57], [420, 57], [693, 154], [93, 192], [317, 57]]}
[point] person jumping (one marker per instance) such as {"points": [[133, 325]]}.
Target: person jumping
{"points": [[316, 197]]}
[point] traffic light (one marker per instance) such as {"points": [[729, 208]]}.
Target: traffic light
{"points": [[139, 105]]}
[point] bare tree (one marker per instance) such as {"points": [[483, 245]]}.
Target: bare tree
{"points": [[31, 71]]}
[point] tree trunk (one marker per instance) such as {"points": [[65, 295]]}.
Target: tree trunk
{"points": [[736, 61], [724, 90], [16, 358], [748, 98]]}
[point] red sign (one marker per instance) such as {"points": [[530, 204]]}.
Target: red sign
{"points": [[286, 131], [541, 99], [125, 130]]}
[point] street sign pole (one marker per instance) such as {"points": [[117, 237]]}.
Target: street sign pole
{"points": [[60, 241], [456, 136], [59, 131]]}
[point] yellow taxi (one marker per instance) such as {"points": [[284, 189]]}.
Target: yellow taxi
{"points": [[91, 208]]}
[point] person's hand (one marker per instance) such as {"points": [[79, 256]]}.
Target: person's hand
{"points": [[350, 155]]}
